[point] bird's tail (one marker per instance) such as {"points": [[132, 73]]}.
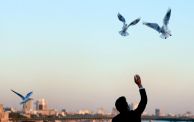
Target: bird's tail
{"points": [[169, 32], [123, 33], [164, 36]]}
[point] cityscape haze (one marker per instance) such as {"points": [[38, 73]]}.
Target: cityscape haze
{"points": [[71, 54]]}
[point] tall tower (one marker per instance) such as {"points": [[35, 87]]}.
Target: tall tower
{"points": [[41, 104], [157, 112], [28, 106]]}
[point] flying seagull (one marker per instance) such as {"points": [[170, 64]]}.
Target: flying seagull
{"points": [[165, 32], [24, 98], [124, 32]]}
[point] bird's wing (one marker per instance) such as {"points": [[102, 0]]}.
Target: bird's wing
{"points": [[18, 94], [28, 95], [154, 26], [121, 18], [167, 17], [134, 22]]}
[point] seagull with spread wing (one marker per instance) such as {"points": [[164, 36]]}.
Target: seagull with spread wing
{"points": [[165, 32], [25, 99], [124, 32]]}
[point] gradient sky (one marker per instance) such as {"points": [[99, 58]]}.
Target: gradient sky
{"points": [[70, 53]]}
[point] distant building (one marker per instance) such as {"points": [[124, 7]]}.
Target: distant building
{"points": [[41, 104], [63, 112], [101, 111], [157, 112], [3, 115], [42, 108], [187, 114], [84, 112], [9, 109], [28, 106]]}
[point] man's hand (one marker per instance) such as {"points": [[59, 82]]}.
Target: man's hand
{"points": [[137, 80]]}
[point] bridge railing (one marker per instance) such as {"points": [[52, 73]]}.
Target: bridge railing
{"points": [[87, 117]]}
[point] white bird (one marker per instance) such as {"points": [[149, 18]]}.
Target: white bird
{"points": [[24, 99], [165, 32], [124, 32]]}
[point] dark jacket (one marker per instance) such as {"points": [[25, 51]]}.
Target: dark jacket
{"points": [[133, 115]]}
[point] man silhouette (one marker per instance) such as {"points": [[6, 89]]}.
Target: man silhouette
{"points": [[127, 115]]}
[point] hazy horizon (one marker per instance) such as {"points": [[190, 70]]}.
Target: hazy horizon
{"points": [[71, 53]]}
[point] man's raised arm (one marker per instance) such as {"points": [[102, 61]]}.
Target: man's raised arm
{"points": [[143, 101]]}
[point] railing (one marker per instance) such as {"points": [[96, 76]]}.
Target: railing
{"points": [[163, 118]]}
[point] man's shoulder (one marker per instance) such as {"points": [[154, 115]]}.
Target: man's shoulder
{"points": [[129, 116], [120, 118]]}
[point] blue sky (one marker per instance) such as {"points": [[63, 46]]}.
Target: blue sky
{"points": [[70, 53]]}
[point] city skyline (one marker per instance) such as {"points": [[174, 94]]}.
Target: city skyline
{"points": [[71, 54]]}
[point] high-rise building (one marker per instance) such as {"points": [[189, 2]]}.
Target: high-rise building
{"points": [[42, 108], [41, 104], [28, 106], [157, 112]]}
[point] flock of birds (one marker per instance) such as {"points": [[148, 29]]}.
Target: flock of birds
{"points": [[165, 32]]}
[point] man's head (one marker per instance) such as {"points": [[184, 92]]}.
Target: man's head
{"points": [[122, 105]]}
